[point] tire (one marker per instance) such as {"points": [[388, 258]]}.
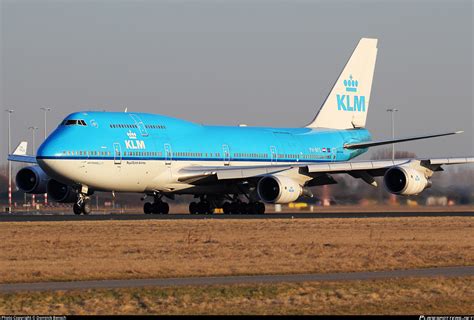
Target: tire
{"points": [[235, 208], [165, 208], [207, 207], [253, 208], [260, 208], [193, 208], [226, 208], [147, 208], [211, 210], [203, 207], [77, 209], [245, 208], [156, 208], [240, 207], [86, 208]]}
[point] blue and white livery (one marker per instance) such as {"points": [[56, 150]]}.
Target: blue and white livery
{"points": [[162, 156]]}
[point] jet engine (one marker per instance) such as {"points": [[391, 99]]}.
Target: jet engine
{"points": [[32, 180], [278, 189], [405, 181], [61, 192]]}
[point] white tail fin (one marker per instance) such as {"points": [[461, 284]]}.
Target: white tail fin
{"points": [[21, 149], [347, 104]]}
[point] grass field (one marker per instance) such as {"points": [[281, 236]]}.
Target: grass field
{"points": [[46, 251], [405, 296]]}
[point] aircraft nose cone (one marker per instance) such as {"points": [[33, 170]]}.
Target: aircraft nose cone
{"points": [[48, 149], [47, 157]]}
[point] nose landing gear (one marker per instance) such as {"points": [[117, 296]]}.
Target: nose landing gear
{"points": [[83, 205]]}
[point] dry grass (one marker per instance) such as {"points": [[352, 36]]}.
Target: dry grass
{"points": [[405, 296], [47, 251]]}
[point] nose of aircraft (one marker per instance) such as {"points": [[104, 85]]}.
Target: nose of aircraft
{"points": [[48, 154], [48, 149]]}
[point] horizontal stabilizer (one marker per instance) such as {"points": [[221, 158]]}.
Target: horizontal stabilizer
{"points": [[364, 145], [24, 159]]}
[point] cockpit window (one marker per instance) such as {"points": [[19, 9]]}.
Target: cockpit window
{"points": [[74, 123]]}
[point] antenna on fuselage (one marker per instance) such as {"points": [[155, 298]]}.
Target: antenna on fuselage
{"points": [[126, 110]]}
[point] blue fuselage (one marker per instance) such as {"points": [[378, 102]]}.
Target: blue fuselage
{"points": [[140, 136]]}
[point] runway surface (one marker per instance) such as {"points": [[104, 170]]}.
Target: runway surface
{"points": [[46, 216], [204, 281]]}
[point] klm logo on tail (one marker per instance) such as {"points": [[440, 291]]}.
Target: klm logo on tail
{"points": [[349, 102]]}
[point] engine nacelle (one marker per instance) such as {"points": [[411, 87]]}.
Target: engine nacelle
{"points": [[61, 192], [405, 181], [32, 180], [278, 189]]}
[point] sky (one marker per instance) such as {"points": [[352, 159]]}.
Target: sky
{"points": [[262, 63]]}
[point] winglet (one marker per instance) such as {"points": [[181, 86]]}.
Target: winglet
{"points": [[21, 149]]}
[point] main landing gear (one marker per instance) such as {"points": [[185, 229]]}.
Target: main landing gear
{"points": [[157, 207], [202, 207], [234, 207], [239, 207]]}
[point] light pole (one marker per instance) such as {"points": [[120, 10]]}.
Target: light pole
{"points": [[33, 129], [392, 111], [9, 162], [45, 110]]}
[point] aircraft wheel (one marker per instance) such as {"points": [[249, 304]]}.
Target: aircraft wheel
{"points": [[86, 207], [260, 208], [203, 207], [211, 210], [226, 208], [253, 208], [156, 208], [147, 208], [77, 209], [233, 208], [193, 208], [165, 208]]}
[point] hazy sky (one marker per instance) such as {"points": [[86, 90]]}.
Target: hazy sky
{"points": [[266, 63]]}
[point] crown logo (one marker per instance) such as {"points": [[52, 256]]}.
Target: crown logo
{"points": [[351, 85], [131, 135]]}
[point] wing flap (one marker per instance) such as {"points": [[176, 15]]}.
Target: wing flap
{"points": [[196, 174], [452, 160], [354, 166]]}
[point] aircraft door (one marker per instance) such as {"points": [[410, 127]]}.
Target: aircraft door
{"points": [[273, 155], [117, 153], [333, 154], [140, 125], [168, 154], [226, 152]]}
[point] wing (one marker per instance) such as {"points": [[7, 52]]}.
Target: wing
{"points": [[199, 175], [365, 170], [368, 144], [19, 155]]}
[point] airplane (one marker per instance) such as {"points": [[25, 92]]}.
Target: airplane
{"points": [[236, 168]]}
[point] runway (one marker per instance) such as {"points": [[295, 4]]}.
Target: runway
{"points": [[230, 280], [66, 216]]}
